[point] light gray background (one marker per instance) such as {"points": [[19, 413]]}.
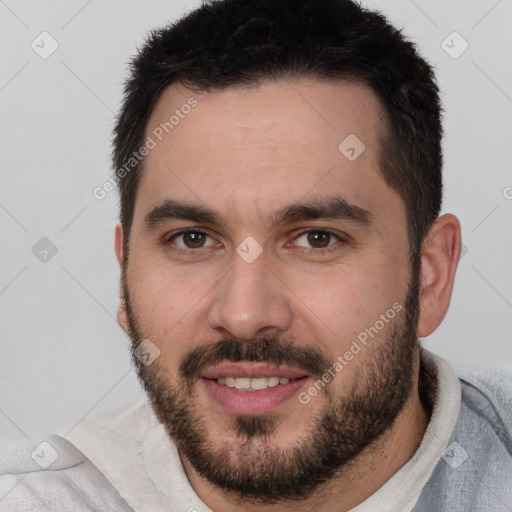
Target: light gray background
{"points": [[63, 355]]}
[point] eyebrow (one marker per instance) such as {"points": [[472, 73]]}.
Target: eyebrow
{"points": [[171, 210], [336, 208]]}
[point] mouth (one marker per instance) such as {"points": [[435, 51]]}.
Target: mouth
{"points": [[252, 388], [252, 384]]}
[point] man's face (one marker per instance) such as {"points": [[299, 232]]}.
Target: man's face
{"points": [[281, 253]]}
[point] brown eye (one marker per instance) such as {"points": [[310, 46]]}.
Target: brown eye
{"points": [[194, 239], [319, 239]]}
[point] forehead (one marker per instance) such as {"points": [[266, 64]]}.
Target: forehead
{"points": [[252, 149]]}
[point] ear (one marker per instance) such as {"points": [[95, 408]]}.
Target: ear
{"points": [[121, 310], [440, 256]]}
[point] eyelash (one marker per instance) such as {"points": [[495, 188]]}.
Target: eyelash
{"points": [[328, 249], [324, 250], [169, 238]]}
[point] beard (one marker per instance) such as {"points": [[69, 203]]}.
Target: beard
{"points": [[254, 469]]}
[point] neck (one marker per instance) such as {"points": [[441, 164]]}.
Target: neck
{"points": [[359, 480]]}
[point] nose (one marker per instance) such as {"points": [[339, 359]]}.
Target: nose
{"points": [[250, 301]]}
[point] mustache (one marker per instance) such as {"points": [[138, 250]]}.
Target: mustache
{"points": [[267, 349]]}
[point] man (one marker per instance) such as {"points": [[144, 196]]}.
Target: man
{"points": [[279, 168]]}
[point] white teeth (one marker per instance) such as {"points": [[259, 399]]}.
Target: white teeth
{"points": [[272, 381], [259, 383], [254, 384], [242, 383]]}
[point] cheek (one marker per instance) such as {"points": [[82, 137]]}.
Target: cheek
{"points": [[167, 303], [343, 304]]}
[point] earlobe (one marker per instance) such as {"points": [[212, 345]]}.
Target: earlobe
{"points": [[440, 256], [121, 310]]}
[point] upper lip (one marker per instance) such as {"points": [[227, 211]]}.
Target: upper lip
{"points": [[250, 370]]}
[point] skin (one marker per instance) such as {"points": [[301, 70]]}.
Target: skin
{"points": [[247, 153]]}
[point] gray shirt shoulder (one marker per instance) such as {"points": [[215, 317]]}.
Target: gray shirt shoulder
{"points": [[475, 472]]}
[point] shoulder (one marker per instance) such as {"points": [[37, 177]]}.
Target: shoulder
{"points": [[487, 394], [475, 471], [52, 475]]}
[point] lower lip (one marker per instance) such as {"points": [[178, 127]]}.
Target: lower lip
{"points": [[239, 401]]}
